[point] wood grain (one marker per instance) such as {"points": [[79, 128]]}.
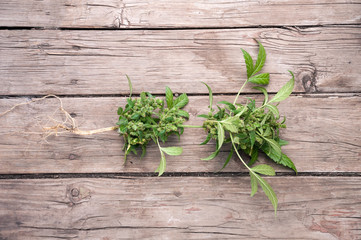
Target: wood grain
{"points": [[95, 62], [322, 131], [323, 208], [179, 14]]}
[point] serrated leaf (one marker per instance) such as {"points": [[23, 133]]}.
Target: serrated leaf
{"points": [[181, 130], [237, 140], [122, 129], [274, 146], [267, 189], [231, 120], [249, 63], [284, 120], [143, 96], [183, 113], [274, 110], [162, 135], [287, 162], [262, 79], [203, 116], [265, 119], [209, 136], [133, 150], [268, 132], [252, 137], [130, 86], [135, 116], [162, 164], [283, 159], [149, 95], [264, 169], [264, 91], [122, 121], [174, 151], [181, 101], [210, 157], [228, 159], [130, 102], [120, 110], [231, 124], [210, 96], [254, 184], [230, 105], [254, 157], [285, 91], [220, 137], [282, 142], [230, 127], [251, 105], [261, 58], [169, 97]]}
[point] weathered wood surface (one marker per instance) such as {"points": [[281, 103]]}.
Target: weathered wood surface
{"points": [[322, 208], [179, 14], [324, 59], [89, 47], [322, 131]]}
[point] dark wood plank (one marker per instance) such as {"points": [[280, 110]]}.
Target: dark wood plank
{"points": [[95, 62], [322, 131], [180, 14], [321, 208]]}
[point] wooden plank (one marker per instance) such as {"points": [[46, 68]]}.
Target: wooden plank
{"points": [[95, 62], [180, 14], [179, 208], [321, 138]]}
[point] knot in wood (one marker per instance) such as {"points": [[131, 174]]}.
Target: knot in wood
{"points": [[75, 192], [73, 156], [308, 79]]}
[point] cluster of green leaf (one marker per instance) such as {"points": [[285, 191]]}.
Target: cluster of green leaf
{"points": [[147, 118], [249, 128]]}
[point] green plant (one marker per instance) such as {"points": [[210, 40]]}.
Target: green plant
{"points": [[147, 118], [249, 128]]}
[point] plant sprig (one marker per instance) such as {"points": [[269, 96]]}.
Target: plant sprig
{"points": [[249, 128], [148, 118]]}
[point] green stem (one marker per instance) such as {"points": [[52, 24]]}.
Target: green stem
{"points": [[160, 149], [259, 108], [244, 163], [190, 126], [240, 90], [239, 156]]}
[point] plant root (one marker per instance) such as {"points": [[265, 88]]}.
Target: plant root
{"points": [[68, 125]]}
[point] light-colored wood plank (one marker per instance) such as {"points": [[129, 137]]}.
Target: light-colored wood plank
{"points": [[322, 131], [95, 62], [179, 14], [180, 208]]}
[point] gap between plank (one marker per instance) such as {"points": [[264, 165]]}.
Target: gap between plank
{"points": [[169, 174], [316, 95], [170, 28]]}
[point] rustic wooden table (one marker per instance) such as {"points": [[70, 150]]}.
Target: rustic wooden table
{"points": [[75, 187]]}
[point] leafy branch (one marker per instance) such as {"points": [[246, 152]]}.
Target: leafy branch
{"points": [[251, 129]]}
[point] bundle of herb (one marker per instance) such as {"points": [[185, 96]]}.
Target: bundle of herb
{"points": [[249, 128], [147, 118]]}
